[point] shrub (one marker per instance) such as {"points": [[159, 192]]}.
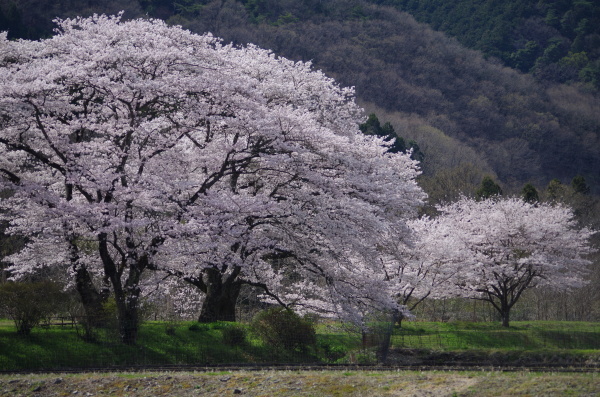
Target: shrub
{"points": [[331, 352], [284, 329], [109, 315], [234, 335], [196, 327], [105, 318], [27, 304]]}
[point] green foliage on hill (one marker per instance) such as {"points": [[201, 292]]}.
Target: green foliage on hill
{"points": [[530, 194], [398, 144], [556, 40], [488, 188]]}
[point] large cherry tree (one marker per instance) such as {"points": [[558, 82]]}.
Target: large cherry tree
{"points": [[135, 147], [497, 248]]}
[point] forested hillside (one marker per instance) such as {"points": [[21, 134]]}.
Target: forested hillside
{"points": [[463, 109], [555, 40]]}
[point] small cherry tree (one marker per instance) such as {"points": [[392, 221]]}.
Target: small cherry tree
{"points": [[134, 147], [499, 247]]}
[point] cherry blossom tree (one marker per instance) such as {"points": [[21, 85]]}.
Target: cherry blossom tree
{"points": [[417, 270], [497, 248], [134, 146]]}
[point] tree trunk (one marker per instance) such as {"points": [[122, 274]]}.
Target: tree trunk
{"points": [[505, 313], [502, 307], [220, 299], [128, 322], [91, 299], [127, 299], [505, 320], [126, 294]]}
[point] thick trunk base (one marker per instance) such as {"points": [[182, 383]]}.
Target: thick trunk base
{"points": [[128, 325], [220, 303], [91, 300]]}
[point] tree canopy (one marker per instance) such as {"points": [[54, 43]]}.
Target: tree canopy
{"points": [[499, 247], [135, 147]]}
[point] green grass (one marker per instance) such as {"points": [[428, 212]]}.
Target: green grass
{"points": [[158, 343], [530, 335], [202, 344]]}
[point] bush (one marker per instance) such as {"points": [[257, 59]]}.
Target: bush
{"points": [[234, 335], [284, 329], [27, 304], [105, 318], [196, 327], [332, 352]]}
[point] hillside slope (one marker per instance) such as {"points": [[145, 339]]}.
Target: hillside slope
{"points": [[523, 130], [555, 40], [448, 98]]}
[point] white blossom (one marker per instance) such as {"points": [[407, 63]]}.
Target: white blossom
{"points": [[495, 249], [169, 151]]}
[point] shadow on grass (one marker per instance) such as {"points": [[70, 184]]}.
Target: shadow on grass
{"points": [[189, 343]]}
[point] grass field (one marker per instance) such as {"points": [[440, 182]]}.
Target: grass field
{"points": [[189, 343]]}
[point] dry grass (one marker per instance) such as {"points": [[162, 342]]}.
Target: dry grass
{"points": [[302, 383]]}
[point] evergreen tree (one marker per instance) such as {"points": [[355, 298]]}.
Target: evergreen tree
{"points": [[579, 185], [372, 126], [488, 188], [530, 194], [555, 189]]}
